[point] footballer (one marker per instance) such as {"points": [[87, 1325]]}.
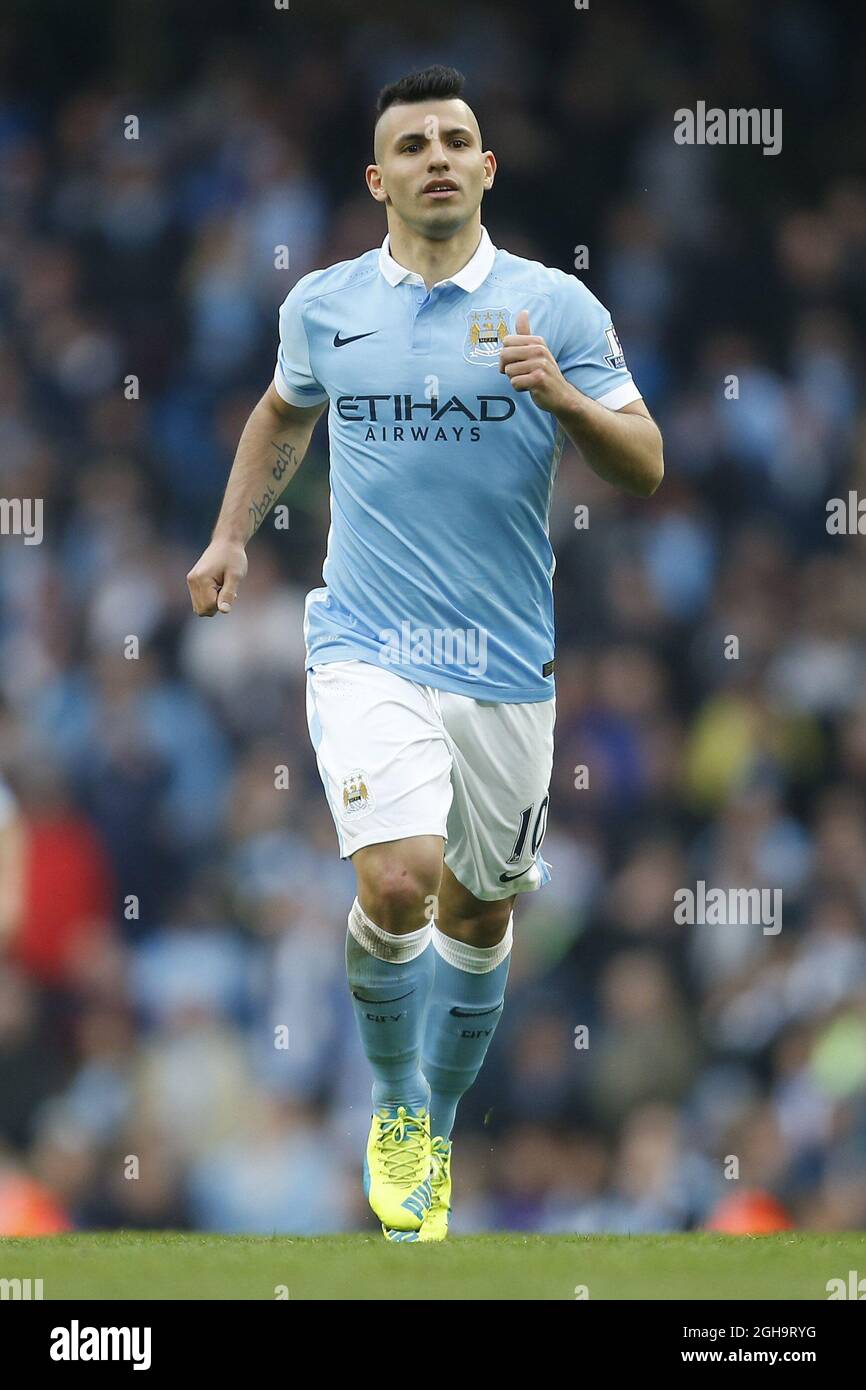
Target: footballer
{"points": [[452, 372]]}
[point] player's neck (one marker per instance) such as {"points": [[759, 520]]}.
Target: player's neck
{"points": [[433, 260]]}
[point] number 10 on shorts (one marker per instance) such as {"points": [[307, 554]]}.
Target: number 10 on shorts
{"points": [[538, 829]]}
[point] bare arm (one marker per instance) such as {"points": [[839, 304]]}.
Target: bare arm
{"points": [[270, 451], [622, 446]]}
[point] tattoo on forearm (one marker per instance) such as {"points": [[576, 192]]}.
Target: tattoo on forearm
{"points": [[259, 509], [287, 458]]}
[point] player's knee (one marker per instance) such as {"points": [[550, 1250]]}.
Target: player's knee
{"points": [[488, 926], [398, 900], [397, 888], [477, 923]]}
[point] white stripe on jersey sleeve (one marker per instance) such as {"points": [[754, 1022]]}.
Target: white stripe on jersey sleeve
{"points": [[620, 396]]}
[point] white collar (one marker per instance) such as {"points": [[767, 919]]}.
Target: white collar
{"points": [[472, 274]]}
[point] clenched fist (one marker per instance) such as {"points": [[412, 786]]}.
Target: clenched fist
{"points": [[213, 581], [530, 366]]}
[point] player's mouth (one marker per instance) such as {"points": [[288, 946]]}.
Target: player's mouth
{"points": [[440, 189]]}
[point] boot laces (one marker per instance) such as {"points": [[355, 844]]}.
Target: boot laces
{"points": [[401, 1143]]}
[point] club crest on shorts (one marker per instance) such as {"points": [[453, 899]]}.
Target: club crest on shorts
{"points": [[484, 333], [357, 797]]}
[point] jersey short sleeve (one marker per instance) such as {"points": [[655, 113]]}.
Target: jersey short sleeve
{"points": [[589, 355], [293, 377]]}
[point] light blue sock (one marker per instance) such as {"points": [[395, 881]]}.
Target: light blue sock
{"points": [[465, 1007], [390, 978]]}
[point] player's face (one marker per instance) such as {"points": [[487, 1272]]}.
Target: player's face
{"points": [[430, 166]]}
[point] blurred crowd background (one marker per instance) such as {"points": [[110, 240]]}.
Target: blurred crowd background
{"points": [[165, 910]]}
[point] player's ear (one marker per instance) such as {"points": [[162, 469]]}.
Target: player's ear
{"points": [[373, 175], [489, 168]]}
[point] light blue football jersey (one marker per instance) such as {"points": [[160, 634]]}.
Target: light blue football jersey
{"points": [[439, 563]]}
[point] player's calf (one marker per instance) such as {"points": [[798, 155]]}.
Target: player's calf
{"points": [[390, 972]]}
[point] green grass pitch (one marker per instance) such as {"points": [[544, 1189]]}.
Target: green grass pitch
{"points": [[168, 1265]]}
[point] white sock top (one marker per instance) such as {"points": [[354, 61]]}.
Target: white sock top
{"points": [[398, 947], [476, 960]]}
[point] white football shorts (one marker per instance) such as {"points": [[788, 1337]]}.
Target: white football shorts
{"points": [[398, 758]]}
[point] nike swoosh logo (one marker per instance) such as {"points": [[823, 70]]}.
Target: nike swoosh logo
{"points": [[341, 342], [361, 1000], [474, 1013], [506, 878]]}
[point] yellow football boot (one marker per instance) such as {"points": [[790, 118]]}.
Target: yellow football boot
{"points": [[397, 1169], [435, 1225]]}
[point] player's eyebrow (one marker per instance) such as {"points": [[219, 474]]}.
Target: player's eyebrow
{"points": [[421, 137]]}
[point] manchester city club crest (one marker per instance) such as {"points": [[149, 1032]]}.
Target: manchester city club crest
{"points": [[357, 797], [484, 333]]}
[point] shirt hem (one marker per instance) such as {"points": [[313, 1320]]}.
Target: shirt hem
{"points": [[434, 677]]}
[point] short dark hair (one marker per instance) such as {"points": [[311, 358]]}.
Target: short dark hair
{"points": [[429, 84]]}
